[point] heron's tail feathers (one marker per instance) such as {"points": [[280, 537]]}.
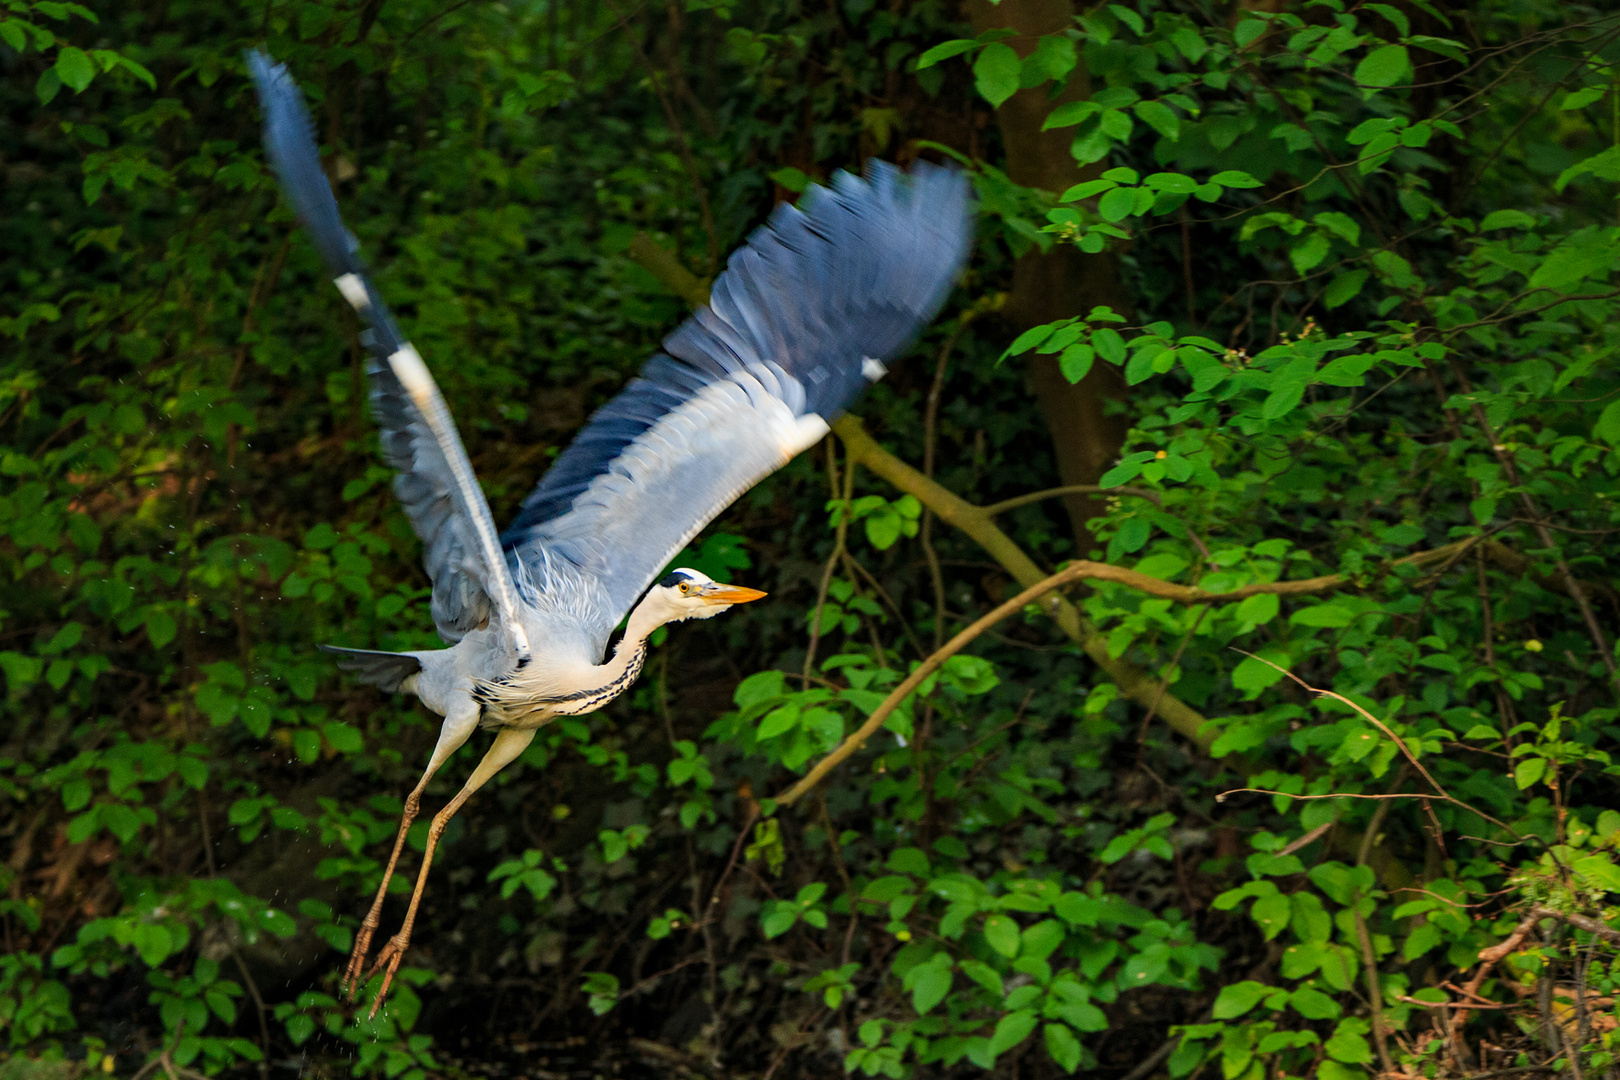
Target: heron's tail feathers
{"points": [[382, 669]]}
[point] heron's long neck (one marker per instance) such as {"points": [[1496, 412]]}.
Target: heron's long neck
{"points": [[607, 681], [579, 690], [630, 653]]}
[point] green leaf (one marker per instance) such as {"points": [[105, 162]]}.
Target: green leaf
{"points": [[1234, 178], [1424, 937], [1582, 256], [1117, 204], [1271, 913], [944, 51], [1257, 610], [1604, 166], [996, 73], [1325, 615], [1001, 931], [1235, 999], [1600, 869], [120, 820], [1069, 114], [883, 527], [1347, 1044], [1086, 190], [1030, 338], [1248, 30], [1115, 124], [1012, 1029], [1344, 288], [1384, 66], [1580, 99], [299, 1028], [160, 627], [1309, 253], [1054, 57], [778, 920], [1607, 427], [306, 744], [792, 179], [1283, 400], [985, 975], [1075, 362], [778, 722], [1396, 270], [929, 985], [153, 942], [1175, 183], [47, 86], [1507, 219], [1312, 1004], [1063, 1047], [75, 68], [1528, 771], [1160, 117], [345, 739]]}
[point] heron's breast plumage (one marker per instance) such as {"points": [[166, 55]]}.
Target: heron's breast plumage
{"points": [[533, 697]]}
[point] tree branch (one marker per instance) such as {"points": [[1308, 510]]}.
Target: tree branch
{"points": [[899, 694], [662, 264], [1135, 683]]}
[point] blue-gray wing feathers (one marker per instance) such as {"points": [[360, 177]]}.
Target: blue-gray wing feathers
{"points": [[806, 315], [444, 513]]}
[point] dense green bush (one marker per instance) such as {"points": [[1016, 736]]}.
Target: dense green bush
{"points": [[1331, 713]]}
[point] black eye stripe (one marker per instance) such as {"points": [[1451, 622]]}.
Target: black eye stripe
{"points": [[673, 579]]}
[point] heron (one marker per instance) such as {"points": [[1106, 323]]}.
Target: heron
{"points": [[807, 313]]}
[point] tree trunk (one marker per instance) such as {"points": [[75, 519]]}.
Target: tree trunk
{"points": [[1064, 281]]}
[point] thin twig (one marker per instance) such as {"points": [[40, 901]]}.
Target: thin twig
{"points": [[1571, 583], [1151, 1062], [1070, 489], [839, 539], [1369, 958], [1400, 743]]}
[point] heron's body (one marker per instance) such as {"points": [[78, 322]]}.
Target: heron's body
{"points": [[806, 315]]}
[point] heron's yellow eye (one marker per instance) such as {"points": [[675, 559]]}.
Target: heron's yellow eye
{"points": [[685, 588]]}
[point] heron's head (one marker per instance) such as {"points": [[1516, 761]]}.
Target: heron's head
{"points": [[688, 594]]}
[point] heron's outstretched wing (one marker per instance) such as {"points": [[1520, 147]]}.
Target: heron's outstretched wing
{"points": [[806, 314], [435, 483]]}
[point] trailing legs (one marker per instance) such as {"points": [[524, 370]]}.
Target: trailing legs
{"points": [[509, 743], [459, 724]]}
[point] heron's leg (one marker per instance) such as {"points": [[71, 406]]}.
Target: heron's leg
{"points": [[509, 743], [459, 723]]}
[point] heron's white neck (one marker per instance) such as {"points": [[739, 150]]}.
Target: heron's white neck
{"points": [[649, 615]]}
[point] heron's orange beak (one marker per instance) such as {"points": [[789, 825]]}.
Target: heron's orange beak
{"points": [[730, 594]]}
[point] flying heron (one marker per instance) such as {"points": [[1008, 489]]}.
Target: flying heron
{"points": [[806, 314]]}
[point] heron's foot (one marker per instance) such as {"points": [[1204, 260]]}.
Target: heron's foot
{"points": [[388, 958], [354, 974]]}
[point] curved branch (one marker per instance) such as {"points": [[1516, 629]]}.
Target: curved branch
{"points": [[1134, 682], [663, 264], [898, 695]]}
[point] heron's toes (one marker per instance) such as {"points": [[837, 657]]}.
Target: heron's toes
{"points": [[353, 974], [390, 955]]}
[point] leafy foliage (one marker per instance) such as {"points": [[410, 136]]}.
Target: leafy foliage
{"points": [[1359, 528]]}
